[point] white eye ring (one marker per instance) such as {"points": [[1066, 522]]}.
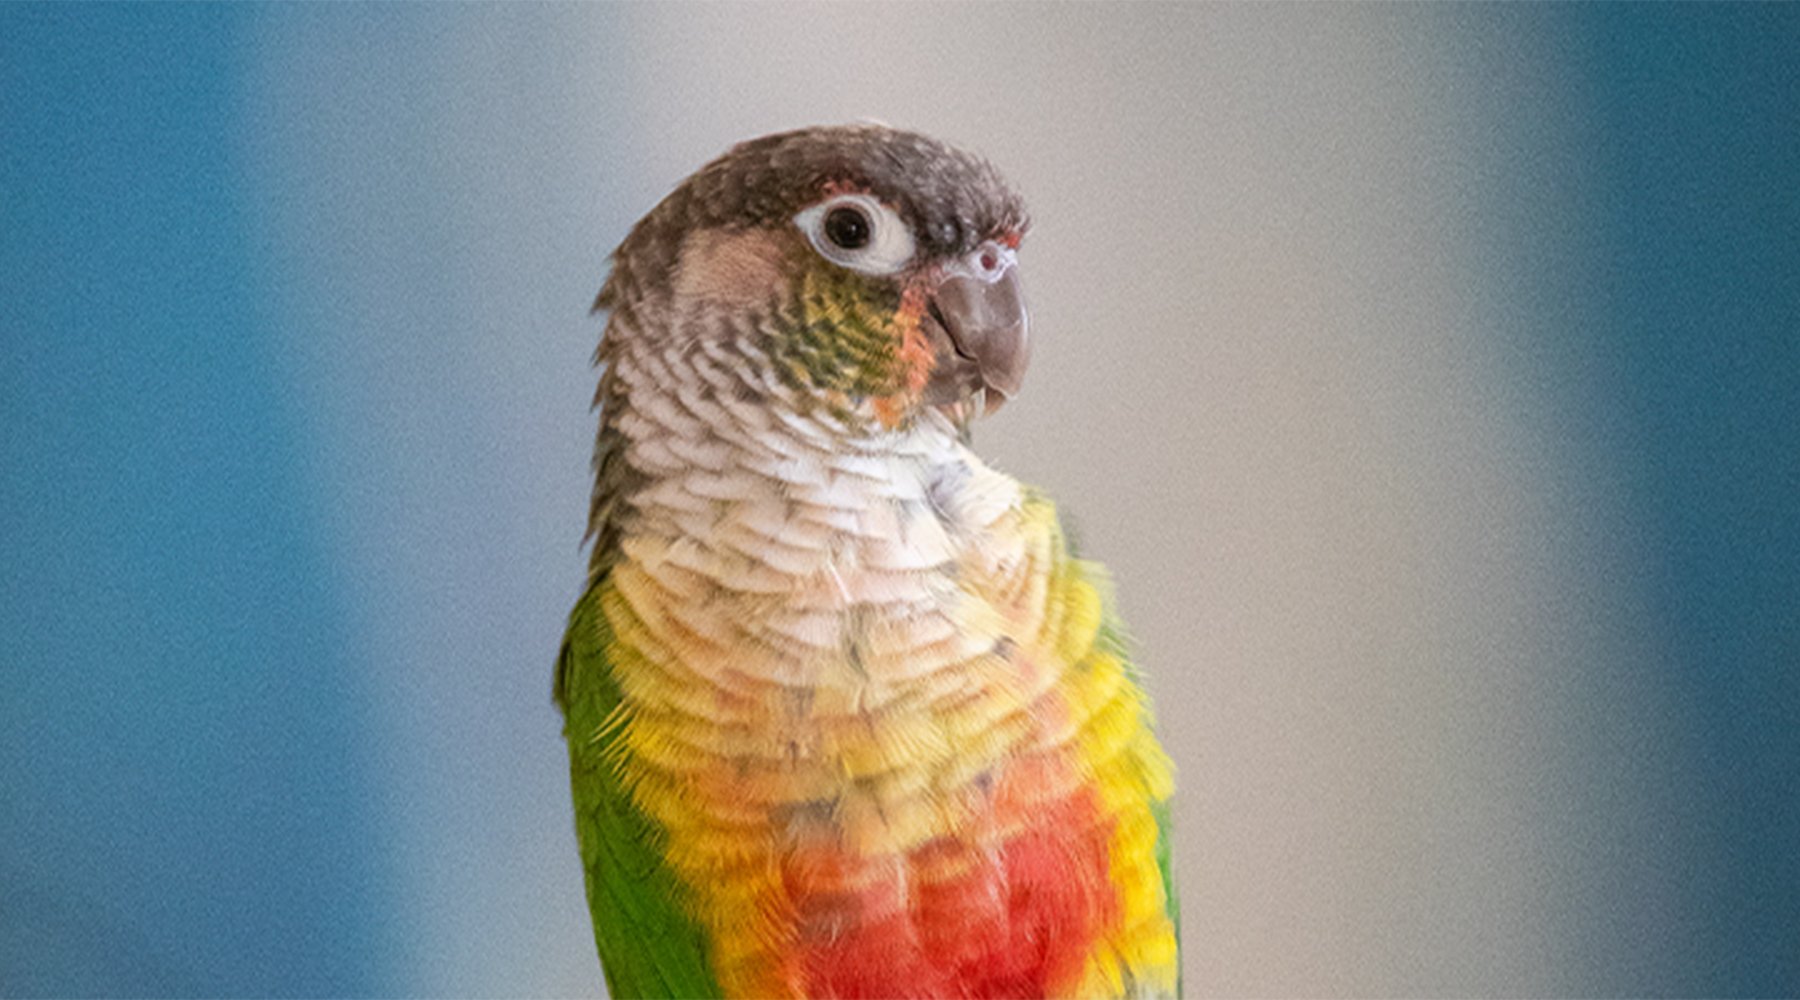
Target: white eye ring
{"points": [[887, 248]]}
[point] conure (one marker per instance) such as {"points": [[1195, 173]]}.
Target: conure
{"points": [[846, 717]]}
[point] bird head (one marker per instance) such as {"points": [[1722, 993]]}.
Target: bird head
{"points": [[861, 271]]}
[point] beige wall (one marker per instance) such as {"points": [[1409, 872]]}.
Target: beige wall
{"points": [[1269, 388]]}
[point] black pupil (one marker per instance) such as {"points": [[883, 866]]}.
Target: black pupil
{"points": [[847, 228]]}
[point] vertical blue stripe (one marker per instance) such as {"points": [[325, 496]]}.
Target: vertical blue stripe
{"points": [[185, 810], [1697, 134]]}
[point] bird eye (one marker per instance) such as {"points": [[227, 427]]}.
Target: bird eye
{"points": [[858, 232], [847, 228]]}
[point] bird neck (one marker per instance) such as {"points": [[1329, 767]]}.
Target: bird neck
{"points": [[703, 426], [730, 506]]}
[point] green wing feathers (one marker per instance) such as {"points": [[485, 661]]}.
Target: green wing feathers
{"points": [[649, 946]]}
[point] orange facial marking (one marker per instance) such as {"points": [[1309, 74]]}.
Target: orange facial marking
{"points": [[916, 357]]}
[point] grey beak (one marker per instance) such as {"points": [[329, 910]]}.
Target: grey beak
{"points": [[986, 321]]}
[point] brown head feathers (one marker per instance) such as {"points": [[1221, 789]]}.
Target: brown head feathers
{"points": [[951, 199]]}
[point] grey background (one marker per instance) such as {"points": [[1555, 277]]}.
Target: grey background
{"points": [[1426, 376], [1269, 389]]}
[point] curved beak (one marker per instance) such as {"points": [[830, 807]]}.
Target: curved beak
{"points": [[981, 306]]}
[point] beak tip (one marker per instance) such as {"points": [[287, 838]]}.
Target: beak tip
{"points": [[987, 324]]}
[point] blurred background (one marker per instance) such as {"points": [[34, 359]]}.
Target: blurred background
{"points": [[1427, 375]]}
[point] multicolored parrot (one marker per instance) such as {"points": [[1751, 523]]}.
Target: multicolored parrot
{"points": [[846, 717]]}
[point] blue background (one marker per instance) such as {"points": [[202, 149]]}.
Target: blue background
{"points": [[196, 795], [186, 791], [1697, 217], [1700, 216]]}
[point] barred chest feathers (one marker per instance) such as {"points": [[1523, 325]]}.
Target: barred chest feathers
{"points": [[796, 551]]}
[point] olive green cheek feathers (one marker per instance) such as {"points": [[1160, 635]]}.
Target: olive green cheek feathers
{"points": [[844, 334]]}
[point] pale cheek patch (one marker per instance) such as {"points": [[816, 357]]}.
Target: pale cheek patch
{"points": [[731, 269]]}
